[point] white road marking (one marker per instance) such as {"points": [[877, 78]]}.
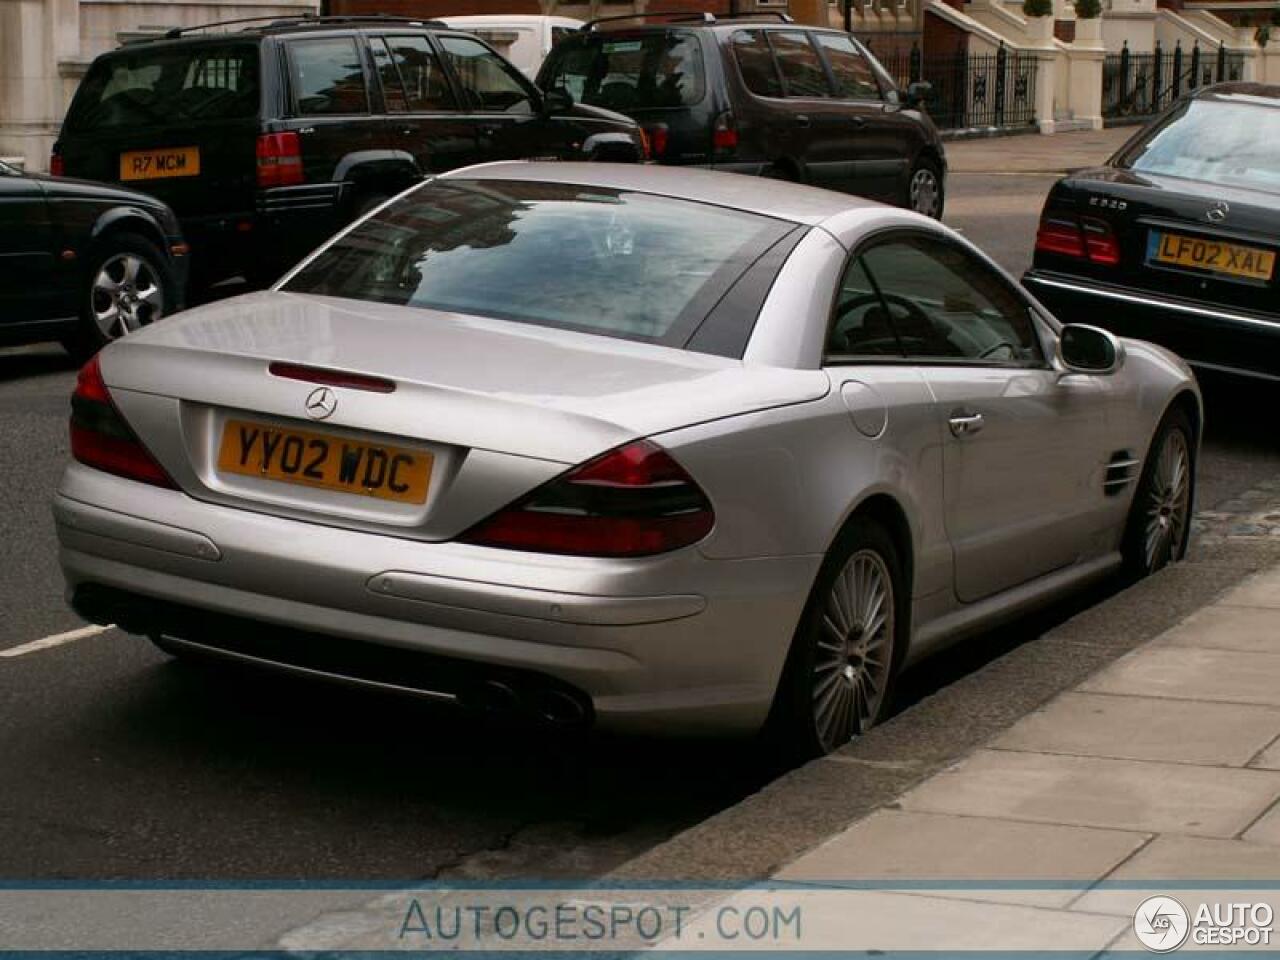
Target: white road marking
{"points": [[57, 640]]}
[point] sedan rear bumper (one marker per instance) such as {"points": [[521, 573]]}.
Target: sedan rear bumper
{"points": [[676, 643], [1205, 335]]}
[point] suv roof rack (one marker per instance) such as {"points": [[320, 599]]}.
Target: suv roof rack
{"points": [[672, 16], [761, 15], [306, 20]]}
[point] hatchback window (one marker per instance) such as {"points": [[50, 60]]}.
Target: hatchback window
{"points": [[853, 75], [140, 87], [629, 71], [943, 304], [417, 69], [801, 69], [487, 81], [327, 77], [755, 61], [1234, 144], [608, 262]]}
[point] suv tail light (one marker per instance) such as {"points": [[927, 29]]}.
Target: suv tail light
{"points": [[101, 439], [632, 501], [279, 160], [659, 137], [724, 135], [57, 166], [1085, 239]]}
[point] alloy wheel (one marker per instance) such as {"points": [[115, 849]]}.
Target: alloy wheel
{"points": [[126, 294], [854, 650], [925, 192], [1168, 497]]}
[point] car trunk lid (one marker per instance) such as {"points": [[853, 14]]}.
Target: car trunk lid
{"points": [[498, 407]]}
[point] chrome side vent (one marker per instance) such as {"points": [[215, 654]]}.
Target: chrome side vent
{"points": [[1122, 470]]}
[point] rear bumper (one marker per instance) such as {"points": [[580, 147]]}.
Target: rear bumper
{"points": [[1205, 335], [677, 643]]}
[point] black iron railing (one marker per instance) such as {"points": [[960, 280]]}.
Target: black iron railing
{"points": [[1141, 84], [970, 90]]}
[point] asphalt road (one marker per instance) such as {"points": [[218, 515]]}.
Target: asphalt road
{"points": [[117, 763]]}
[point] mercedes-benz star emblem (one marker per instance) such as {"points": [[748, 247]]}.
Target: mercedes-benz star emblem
{"points": [[1218, 212], [321, 402]]}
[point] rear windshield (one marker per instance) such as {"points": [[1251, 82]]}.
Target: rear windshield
{"points": [[1232, 144], [639, 71], [609, 262], [150, 86]]}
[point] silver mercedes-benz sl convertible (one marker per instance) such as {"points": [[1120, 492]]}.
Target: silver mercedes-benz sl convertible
{"points": [[659, 449]]}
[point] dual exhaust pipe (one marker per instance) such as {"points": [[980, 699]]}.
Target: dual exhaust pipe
{"points": [[546, 704]]}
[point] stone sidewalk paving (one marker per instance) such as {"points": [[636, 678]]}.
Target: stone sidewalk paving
{"points": [[1033, 154], [1164, 766]]}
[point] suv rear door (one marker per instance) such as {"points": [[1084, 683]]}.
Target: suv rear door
{"points": [[880, 138], [328, 104], [177, 119], [422, 111]]}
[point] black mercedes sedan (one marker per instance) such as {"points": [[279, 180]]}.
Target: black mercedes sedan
{"points": [[84, 263], [1175, 238]]}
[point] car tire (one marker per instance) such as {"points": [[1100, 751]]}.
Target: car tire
{"points": [[127, 284], [1159, 525], [926, 191], [833, 690]]}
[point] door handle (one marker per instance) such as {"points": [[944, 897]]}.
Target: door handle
{"points": [[963, 423], [801, 120], [407, 131], [858, 121]]}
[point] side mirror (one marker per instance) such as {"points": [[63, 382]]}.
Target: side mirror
{"points": [[555, 101], [919, 93], [1084, 349]]}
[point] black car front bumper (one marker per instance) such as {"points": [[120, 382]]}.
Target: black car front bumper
{"points": [[1205, 335]]}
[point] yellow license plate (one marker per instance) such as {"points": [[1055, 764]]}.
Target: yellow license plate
{"points": [[159, 164], [1213, 255], [324, 461]]}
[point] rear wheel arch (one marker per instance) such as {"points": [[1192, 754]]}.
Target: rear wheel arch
{"points": [[381, 173], [127, 220]]}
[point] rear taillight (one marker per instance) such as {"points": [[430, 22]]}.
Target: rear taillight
{"points": [[724, 135], [1085, 238], [632, 501], [279, 160], [57, 166], [101, 439], [659, 137]]}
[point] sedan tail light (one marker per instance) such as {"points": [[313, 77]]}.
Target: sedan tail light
{"points": [[279, 160], [1085, 238], [632, 501], [57, 166], [100, 437]]}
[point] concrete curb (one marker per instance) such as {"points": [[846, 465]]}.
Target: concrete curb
{"points": [[799, 811]]}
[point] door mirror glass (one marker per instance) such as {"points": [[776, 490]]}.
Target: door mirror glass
{"points": [[919, 93], [1083, 349], [556, 101]]}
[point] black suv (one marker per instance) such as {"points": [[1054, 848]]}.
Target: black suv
{"points": [[762, 97], [267, 139]]}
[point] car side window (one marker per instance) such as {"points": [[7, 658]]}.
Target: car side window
{"points": [[327, 76], [947, 305], [488, 83], [425, 86], [802, 72], [392, 88], [861, 326], [853, 75], [755, 63]]}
